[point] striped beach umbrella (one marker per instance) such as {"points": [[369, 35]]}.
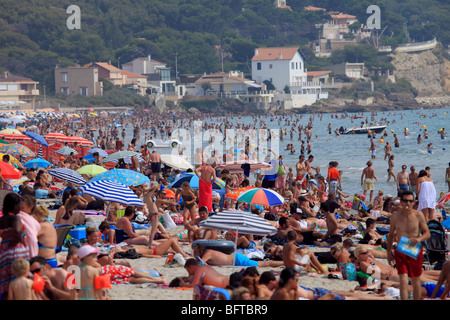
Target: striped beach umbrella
{"points": [[113, 192], [123, 176], [121, 155], [239, 221], [67, 175], [14, 137], [261, 196], [40, 153], [65, 151], [101, 152]]}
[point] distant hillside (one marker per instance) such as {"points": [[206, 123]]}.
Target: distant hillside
{"points": [[34, 36]]}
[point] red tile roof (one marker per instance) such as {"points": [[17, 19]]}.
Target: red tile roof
{"points": [[14, 78], [316, 73], [275, 53]]}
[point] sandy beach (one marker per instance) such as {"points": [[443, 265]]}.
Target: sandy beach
{"points": [[162, 292]]}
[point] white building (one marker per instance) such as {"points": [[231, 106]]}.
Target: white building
{"points": [[285, 69]]}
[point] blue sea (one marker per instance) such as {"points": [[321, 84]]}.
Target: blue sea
{"points": [[351, 151]]}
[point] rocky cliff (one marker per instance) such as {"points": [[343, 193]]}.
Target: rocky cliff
{"points": [[426, 71]]}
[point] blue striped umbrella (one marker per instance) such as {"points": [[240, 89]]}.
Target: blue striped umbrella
{"points": [[123, 176], [113, 192], [67, 175], [239, 221], [101, 152], [193, 180]]}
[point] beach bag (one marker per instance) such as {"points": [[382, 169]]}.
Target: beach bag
{"points": [[129, 254], [348, 271], [281, 170], [168, 221]]}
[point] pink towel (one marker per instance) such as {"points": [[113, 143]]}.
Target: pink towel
{"points": [[32, 228]]}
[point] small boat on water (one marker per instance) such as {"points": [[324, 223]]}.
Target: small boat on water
{"points": [[362, 130]]}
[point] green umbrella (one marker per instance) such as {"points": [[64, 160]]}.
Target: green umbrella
{"points": [[91, 170]]}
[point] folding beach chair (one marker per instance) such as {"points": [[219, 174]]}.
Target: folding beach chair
{"points": [[62, 230], [436, 245]]}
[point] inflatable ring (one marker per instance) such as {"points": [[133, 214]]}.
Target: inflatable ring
{"points": [[150, 144], [174, 144], [224, 246]]}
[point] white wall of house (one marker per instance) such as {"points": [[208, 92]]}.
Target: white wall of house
{"points": [[280, 72]]}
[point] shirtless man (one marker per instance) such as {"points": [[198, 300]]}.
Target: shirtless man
{"points": [[411, 224], [301, 170], [195, 231], [373, 149], [367, 177], [206, 175], [290, 251], [207, 275], [332, 236], [403, 182], [413, 176], [149, 194], [217, 258], [54, 278], [308, 166], [155, 165]]}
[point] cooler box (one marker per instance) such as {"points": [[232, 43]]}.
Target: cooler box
{"points": [[78, 232]]}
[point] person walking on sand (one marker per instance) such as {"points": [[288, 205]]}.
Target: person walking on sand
{"points": [[367, 177], [155, 165], [206, 175], [411, 224]]}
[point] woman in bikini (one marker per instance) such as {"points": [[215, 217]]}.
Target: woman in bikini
{"points": [[190, 205], [47, 237], [65, 214]]}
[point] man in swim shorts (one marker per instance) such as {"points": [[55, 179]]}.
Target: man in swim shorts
{"points": [[301, 170], [217, 258], [155, 165], [411, 224], [367, 183]]}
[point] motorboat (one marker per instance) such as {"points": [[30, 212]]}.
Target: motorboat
{"points": [[361, 130]]}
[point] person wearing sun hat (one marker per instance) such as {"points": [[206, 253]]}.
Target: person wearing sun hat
{"points": [[88, 256]]}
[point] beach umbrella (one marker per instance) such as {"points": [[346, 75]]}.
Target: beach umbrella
{"points": [[176, 162], [10, 131], [123, 176], [236, 166], [112, 191], [261, 196], [9, 172], [193, 180], [120, 155], [65, 151], [67, 175], [40, 153], [14, 137], [4, 141], [80, 141], [17, 149], [444, 199], [101, 152], [91, 170], [37, 163], [37, 137]]}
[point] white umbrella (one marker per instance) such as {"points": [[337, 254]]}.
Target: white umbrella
{"points": [[175, 162], [65, 151]]}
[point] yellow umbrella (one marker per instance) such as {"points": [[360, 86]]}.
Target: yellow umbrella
{"points": [[94, 114], [10, 131], [12, 160]]}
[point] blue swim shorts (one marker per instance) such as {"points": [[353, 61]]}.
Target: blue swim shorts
{"points": [[242, 261]]}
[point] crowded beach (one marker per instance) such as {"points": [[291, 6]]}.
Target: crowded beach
{"points": [[108, 206]]}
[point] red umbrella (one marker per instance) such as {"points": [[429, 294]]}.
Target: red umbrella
{"points": [[15, 137], [7, 171], [81, 141], [56, 137]]}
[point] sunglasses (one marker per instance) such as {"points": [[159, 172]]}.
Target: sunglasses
{"points": [[410, 201], [35, 270]]}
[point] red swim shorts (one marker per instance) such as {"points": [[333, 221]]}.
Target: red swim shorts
{"points": [[405, 264]]}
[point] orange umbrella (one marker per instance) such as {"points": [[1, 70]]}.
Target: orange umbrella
{"points": [[169, 194]]}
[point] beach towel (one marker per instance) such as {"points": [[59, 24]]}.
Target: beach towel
{"points": [[205, 194], [32, 228]]}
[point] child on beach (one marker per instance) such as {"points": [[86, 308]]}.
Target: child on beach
{"points": [[88, 255], [21, 288]]}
